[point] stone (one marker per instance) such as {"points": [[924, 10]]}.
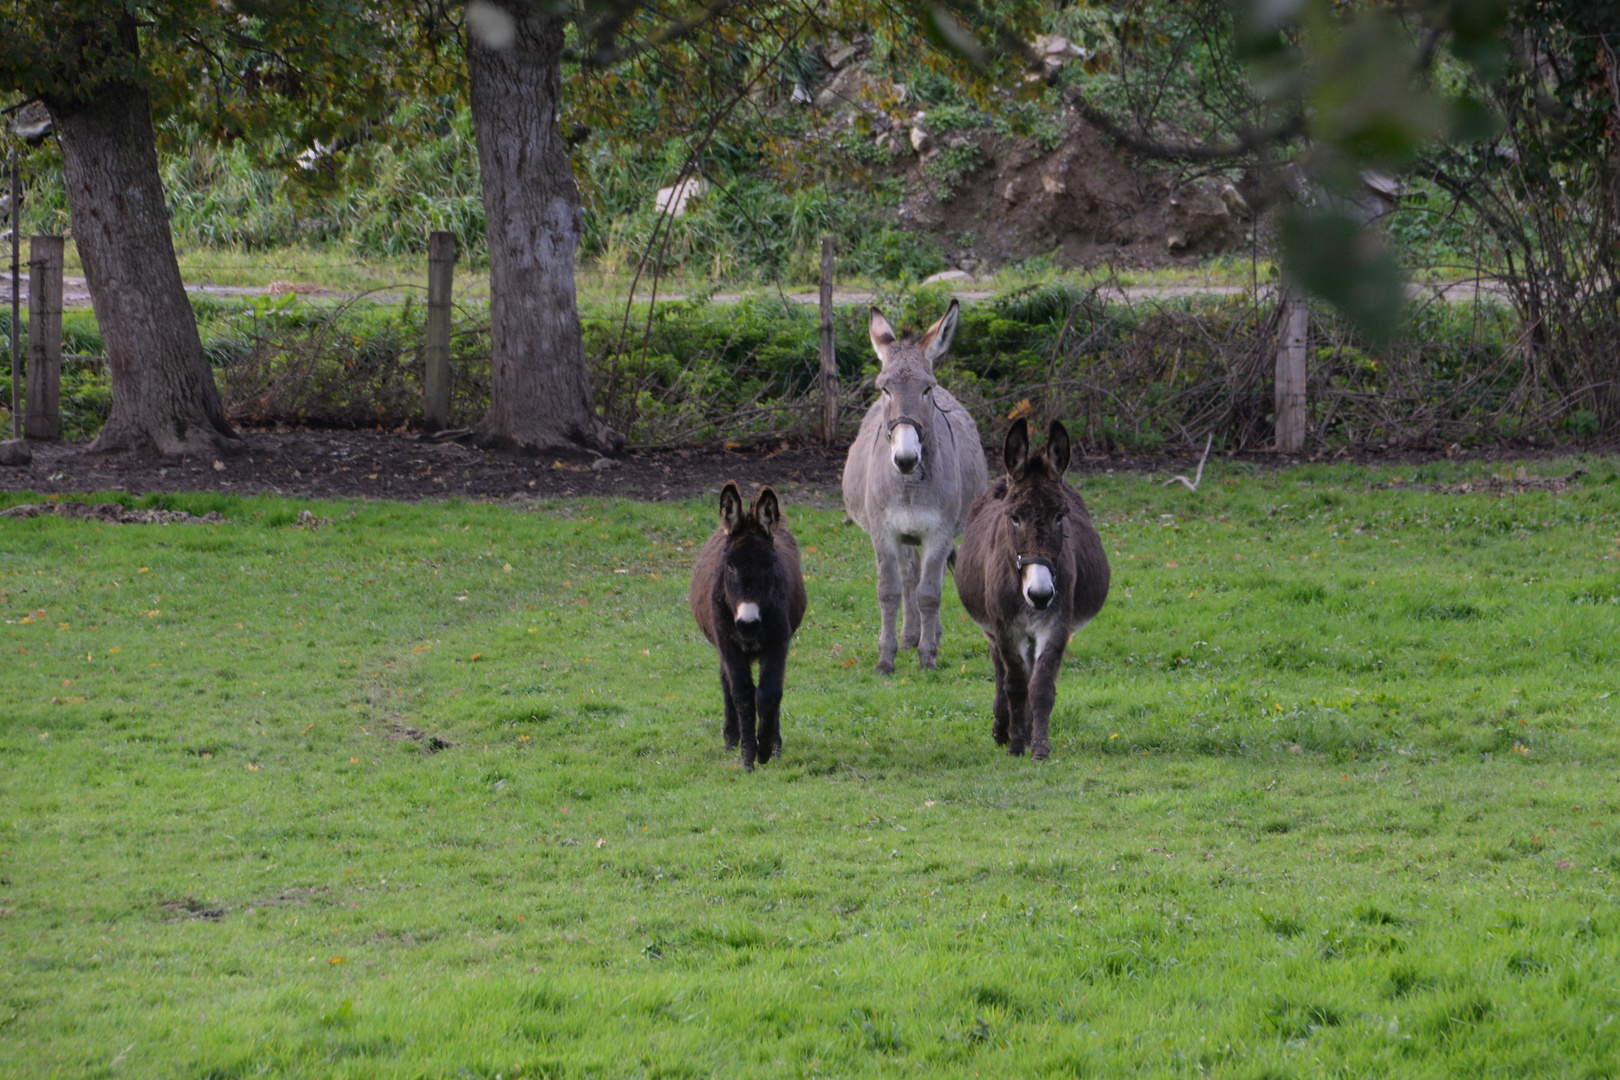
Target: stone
{"points": [[15, 452], [847, 87], [674, 199], [1234, 200], [840, 53], [948, 276], [920, 138]]}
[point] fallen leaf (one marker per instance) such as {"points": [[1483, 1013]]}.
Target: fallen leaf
{"points": [[475, 657], [335, 960], [308, 729], [252, 767], [601, 843], [354, 761]]}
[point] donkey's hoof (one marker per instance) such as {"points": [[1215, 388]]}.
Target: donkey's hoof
{"points": [[1015, 749], [999, 733], [885, 667], [731, 746], [1041, 751], [928, 663]]}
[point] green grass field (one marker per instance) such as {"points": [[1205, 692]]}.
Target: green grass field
{"points": [[438, 790]]}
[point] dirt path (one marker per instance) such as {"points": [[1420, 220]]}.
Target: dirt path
{"points": [[76, 293], [377, 465]]}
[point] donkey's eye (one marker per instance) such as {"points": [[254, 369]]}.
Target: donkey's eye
{"points": [[1059, 519], [1018, 522], [927, 390]]}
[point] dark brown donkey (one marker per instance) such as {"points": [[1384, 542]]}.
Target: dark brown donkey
{"points": [[748, 597], [1032, 571]]}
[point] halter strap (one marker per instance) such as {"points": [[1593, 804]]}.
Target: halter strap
{"points": [[1036, 560], [905, 420]]}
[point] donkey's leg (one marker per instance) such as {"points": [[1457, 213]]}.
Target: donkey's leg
{"points": [[910, 568], [741, 677], [930, 591], [772, 674], [1016, 685], [731, 732], [1043, 694], [999, 710], [889, 592]]}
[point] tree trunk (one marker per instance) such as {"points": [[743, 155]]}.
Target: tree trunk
{"points": [[540, 391], [163, 391]]}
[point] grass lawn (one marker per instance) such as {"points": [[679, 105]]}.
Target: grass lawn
{"points": [[439, 790]]}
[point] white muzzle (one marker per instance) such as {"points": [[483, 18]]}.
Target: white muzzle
{"points": [[907, 448], [1038, 589]]}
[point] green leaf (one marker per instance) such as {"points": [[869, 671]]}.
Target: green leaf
{"points": [[1330, 254], [1473, 121]]}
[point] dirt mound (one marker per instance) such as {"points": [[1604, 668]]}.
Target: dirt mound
{"points": [[1082, 203]]}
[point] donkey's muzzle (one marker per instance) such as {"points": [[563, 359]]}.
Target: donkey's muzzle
{"points": [[1039, 588], [747, 625], [907, 448]]}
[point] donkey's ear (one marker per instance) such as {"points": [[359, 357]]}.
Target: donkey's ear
{"points": [[767, 511], [1015, 451], [882, 335], [938, 337], [1057, 448], [732, 514]]}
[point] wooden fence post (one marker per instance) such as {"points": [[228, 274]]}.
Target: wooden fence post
{"points": [[44, 401], [1293, 336], [17, 401], [436, 351], [829, 359]]}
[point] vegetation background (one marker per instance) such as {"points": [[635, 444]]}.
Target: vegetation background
{"points": [[1529, 211]]}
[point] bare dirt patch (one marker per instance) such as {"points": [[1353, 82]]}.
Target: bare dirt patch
{"points": [[380, 465], [430, 744], [1084, 203], [190, 908]]}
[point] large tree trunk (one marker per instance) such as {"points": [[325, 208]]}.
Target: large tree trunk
{"points": [[540, 391], [164, 397]]}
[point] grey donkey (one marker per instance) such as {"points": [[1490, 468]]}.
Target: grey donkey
{"points": [[910, 478]]}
